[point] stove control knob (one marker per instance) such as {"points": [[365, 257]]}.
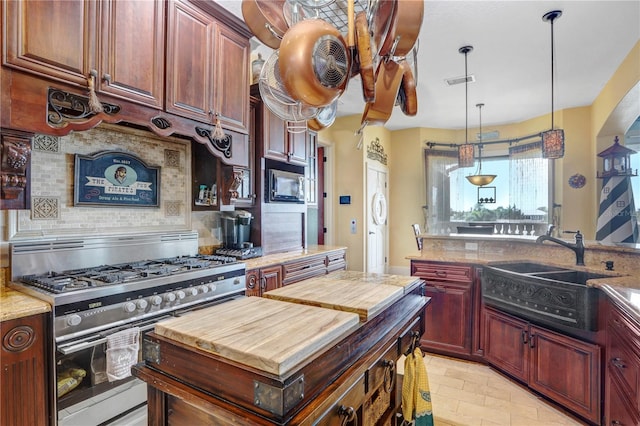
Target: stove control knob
{"points": [[192, 291], [213, 287], [180, 294], [169, 297], [156, 300], [204, 288], [129, 307], [73, 320], [142, 304]]}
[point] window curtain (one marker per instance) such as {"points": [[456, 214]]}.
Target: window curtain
{"points": [[528, 175], [440, 184]]}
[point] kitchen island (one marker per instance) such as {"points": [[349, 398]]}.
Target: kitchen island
{"points": [[309, 353]]}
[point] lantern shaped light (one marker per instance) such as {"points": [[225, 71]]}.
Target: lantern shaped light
{"points": [[616, 161]]}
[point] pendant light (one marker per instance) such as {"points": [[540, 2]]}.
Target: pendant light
{"points": [[479, 179], [552, 140], [465, 152]]}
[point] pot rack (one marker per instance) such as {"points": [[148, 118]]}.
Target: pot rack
{"points": [[510, 142]]}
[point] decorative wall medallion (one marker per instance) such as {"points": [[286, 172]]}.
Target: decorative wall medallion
{"points": [[44, 208], [172, 158], [375, 151], [577, 181], [46, 143], [172, 208]]}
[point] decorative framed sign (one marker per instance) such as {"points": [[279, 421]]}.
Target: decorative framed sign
{"points": [[112, 178]]}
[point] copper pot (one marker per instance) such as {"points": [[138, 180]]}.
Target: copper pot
{"points": [[314, 62], [266, 20]]}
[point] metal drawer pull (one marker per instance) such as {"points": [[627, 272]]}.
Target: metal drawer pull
{"points": [[389, 375], [618, 362], [524, 337], [441, 274], [348, 415]]}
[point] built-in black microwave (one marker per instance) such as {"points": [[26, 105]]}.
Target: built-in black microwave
{"points": [[285, 187]]}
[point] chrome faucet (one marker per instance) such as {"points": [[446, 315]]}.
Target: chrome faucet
{"points": [[577, 247]]}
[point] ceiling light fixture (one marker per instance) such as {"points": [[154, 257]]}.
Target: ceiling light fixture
{"points": [[479, 179], [465, 152], [552, 140]]}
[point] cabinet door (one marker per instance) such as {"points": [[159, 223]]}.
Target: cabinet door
{"points": [[507, 343], [297, 144], [275, 140], [253, 283], [232, 77], [51, 38], [132, 51], [617, 410], [190, 44], [271, 278], [566, 370], [448, 317], [24, 371]]}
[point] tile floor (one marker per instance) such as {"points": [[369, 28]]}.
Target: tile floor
{"points": [[471, 394]]}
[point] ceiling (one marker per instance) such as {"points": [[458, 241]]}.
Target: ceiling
{"points": [[511, 59]]}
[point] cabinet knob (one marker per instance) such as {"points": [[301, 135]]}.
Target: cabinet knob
{"points": [[618, 362], [106, 77]]}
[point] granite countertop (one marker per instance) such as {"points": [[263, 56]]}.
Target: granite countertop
{"points": [[621, 287], [14, 304], [276, 258]]}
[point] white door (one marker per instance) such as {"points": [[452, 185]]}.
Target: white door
{"points": [[377, 210]]}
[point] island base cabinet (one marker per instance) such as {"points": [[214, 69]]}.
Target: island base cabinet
{"points": [[562, 368]]}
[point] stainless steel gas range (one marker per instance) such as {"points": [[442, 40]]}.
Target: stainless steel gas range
{"points": [[101, 287]]}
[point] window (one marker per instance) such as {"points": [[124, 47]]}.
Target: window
{"points": [[515, 203]]}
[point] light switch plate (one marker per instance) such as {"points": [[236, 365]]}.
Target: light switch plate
{"points": [[353, 226]]}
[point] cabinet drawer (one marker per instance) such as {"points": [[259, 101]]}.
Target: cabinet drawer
{"points": [[303, 269], [623, 363], [442, 272], [336, 261], [347, 408], [383, 371], [410, 338], [618, 411]]}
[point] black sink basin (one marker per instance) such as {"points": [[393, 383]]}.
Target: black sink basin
{"points": [[527, 267], [547, 295], [570, 276]]}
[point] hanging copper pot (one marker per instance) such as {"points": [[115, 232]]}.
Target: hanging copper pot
{"points": [[266, 20], [314, 62]]}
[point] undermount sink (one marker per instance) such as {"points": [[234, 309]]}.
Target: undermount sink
{"points": [[549, 295]]}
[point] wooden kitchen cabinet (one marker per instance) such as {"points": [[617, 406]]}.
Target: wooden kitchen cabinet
{"points": [[276, 141], [562, 368], [264, 279], [622, 373], [207, 79], [448, 316], [120, 43], [25, 372]]}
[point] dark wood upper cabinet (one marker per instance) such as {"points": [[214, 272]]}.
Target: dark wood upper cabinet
{"points": [[132, 35], [120, 44], [208, 78], [54, 39]]}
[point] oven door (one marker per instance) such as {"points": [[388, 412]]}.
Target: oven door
{"points": [[86, 395]]}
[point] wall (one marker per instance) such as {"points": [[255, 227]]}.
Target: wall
{"points": [[52, 180]]}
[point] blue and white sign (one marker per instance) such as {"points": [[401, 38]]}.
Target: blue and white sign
{"points": [[112, 178]]}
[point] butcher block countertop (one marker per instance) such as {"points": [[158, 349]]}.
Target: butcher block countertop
{"points": [[362, 293], [269, 335], [276, 258], [291, 325]]}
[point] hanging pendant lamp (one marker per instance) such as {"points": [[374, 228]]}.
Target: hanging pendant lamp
{"points": [[479, 179], [552, 140], [465, 152]]}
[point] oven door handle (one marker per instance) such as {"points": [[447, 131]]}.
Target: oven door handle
{"points": [[92, 341]]}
